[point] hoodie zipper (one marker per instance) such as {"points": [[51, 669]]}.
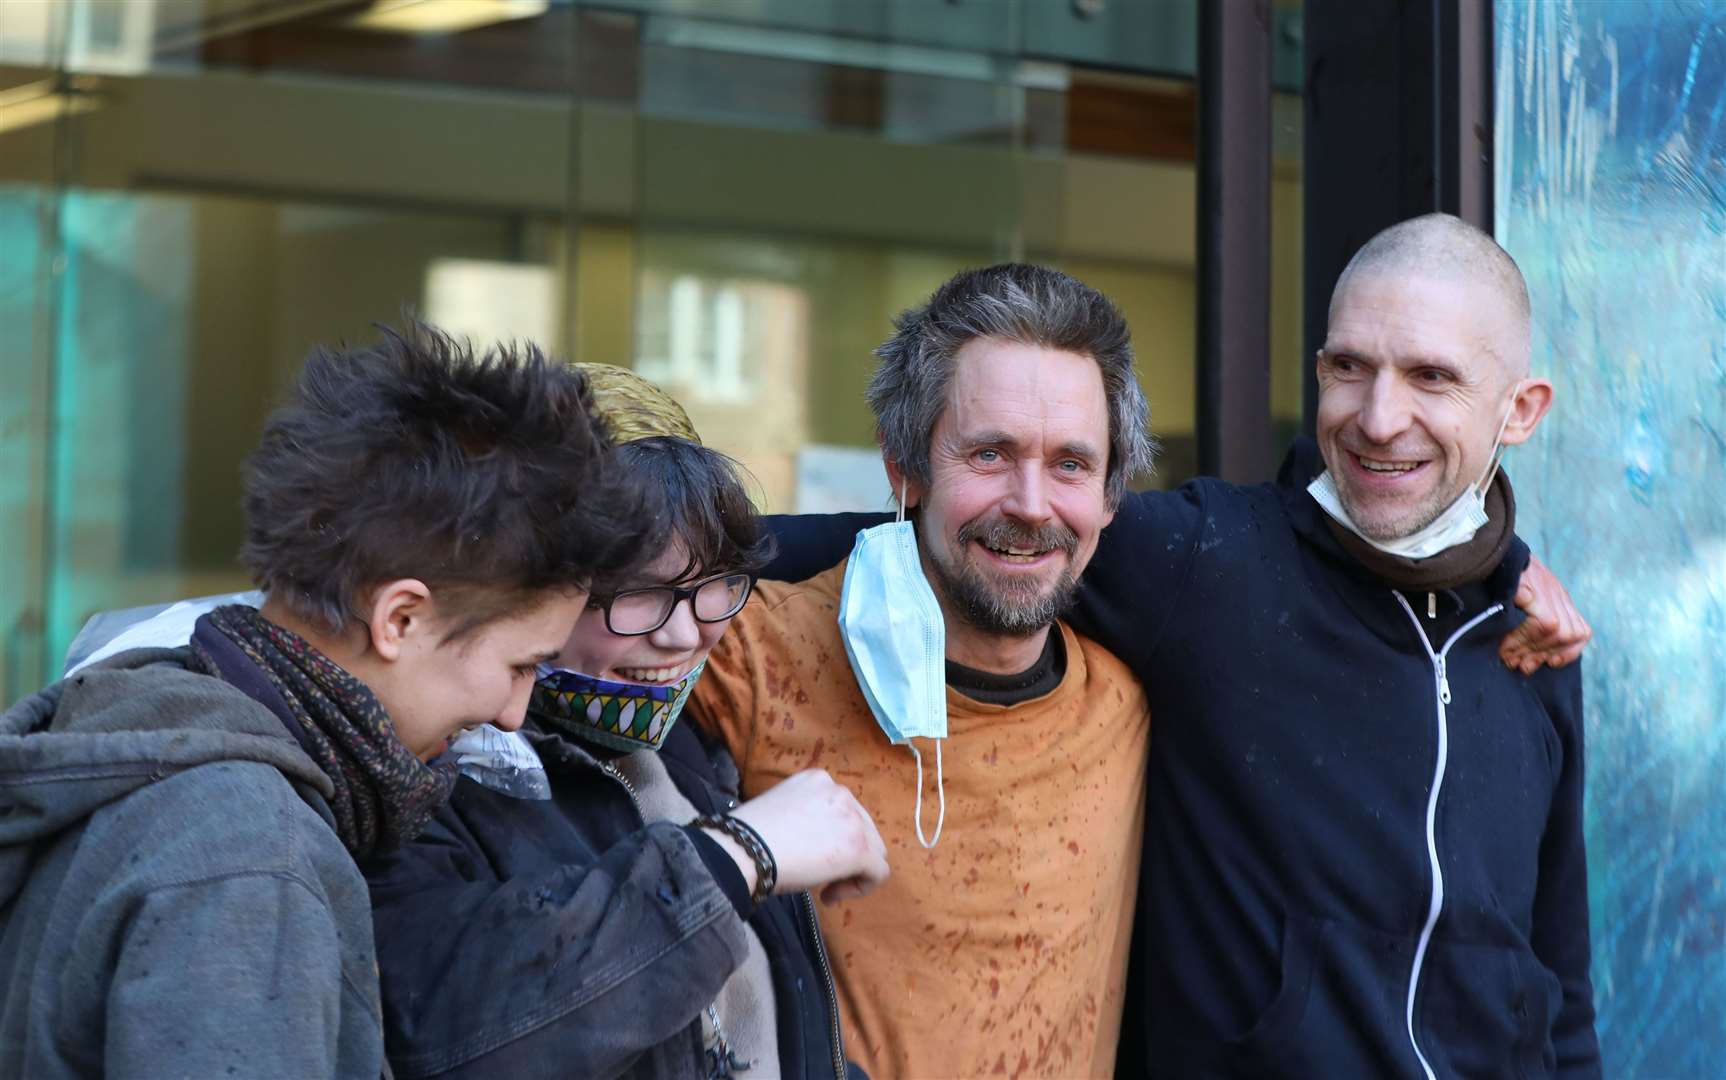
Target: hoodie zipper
{"points": [[1441, 689], [616, 774], [832, 993]]}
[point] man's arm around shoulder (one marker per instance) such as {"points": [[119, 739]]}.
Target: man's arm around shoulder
{"points": [[1131, 591]]}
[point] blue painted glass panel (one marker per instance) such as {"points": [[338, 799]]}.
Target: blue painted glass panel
{"points": [[1611, 193]]}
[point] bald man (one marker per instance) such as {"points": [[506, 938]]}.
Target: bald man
{"points": [[1363, 843]]}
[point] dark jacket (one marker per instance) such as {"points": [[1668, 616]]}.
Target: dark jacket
{"points": [[174, 900], [563, 937], [1288, 891]]}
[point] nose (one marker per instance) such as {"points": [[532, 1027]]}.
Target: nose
{"points": [[681, 632], [1385, 413], [1028, 500], [515, 709]]}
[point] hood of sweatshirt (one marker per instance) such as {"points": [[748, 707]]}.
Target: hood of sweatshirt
{"points": [[94, 738]]}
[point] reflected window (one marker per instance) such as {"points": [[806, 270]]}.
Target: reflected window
{"points": [[487, 301], [693, 333]]}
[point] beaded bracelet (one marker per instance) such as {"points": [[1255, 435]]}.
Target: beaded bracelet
{"points": [[766, 870]]}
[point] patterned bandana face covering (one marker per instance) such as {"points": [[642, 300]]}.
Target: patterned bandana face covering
{"points": [[616, 715]]}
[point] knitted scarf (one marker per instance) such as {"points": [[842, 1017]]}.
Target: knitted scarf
{"points": [[384, 794]]}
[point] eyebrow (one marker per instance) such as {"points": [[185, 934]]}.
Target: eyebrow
{"points": [[1001, 438], [1447, 366], [987, 438], [1342, 348]]}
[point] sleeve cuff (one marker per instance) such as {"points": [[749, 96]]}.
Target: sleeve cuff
{"points": [[724, 870]]}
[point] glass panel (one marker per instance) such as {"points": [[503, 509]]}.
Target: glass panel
{"points": [[192, 220], [1611, 193], [735, 199], [790, 194], [26, 230], [182, 317], [37, 103]]}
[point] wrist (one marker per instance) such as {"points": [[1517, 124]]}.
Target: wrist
{"points": [[745, 865], [743, 835]]}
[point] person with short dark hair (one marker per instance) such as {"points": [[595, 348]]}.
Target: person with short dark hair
{"points": [[593, 900], [179, 828]]}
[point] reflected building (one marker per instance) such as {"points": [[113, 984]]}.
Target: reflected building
{"points": [[733, 198]]}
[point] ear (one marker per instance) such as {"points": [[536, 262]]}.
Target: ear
{"points": [[1532, 400], [913, 491], [400, 616]]}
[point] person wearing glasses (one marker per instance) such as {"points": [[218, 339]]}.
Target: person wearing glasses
{"points": [[594, 900]]}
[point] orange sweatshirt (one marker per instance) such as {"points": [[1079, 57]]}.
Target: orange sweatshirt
{"points": [[1003, 950]]}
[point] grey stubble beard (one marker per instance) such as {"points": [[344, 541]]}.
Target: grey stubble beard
{"points": [[983, 606]]}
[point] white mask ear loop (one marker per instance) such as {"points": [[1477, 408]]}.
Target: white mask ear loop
{"points": [[940, 788], [1498, 446]]}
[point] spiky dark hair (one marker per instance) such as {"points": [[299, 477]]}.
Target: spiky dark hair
{"points": [[482, 475]]}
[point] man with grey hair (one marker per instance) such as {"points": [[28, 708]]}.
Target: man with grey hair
{"points": [[1029, 306], [1010, 421], [1363, 835]]}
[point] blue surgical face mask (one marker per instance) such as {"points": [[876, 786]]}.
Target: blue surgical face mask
{"points": [[896, 639]]}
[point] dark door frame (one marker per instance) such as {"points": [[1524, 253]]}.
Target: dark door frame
{"points": [[1234, 240]]}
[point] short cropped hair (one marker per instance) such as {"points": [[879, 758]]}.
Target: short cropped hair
{"points": [[1029, 305], [483, 476], [1445, 245], [707, 508]]}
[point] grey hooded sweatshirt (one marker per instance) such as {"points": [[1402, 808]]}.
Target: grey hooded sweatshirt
{"points": [[174, 900]]}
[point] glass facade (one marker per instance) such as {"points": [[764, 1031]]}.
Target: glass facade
{"points": [[1611, 193], [734, 198]]}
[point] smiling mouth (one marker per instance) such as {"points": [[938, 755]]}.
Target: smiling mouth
{"points": [[1019, 555], [1387, 468], [654, 676]]}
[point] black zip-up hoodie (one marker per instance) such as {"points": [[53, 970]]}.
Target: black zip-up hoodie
{"points": [[1288, 901]]}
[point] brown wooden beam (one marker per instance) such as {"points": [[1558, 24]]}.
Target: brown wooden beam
{"points": [[1234, 240]]}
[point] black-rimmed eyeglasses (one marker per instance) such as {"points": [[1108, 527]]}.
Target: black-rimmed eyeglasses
{"points": [[634, 612]]}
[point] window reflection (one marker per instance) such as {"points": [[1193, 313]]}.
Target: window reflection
{"points": [[490, 300], [733, 199]]}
